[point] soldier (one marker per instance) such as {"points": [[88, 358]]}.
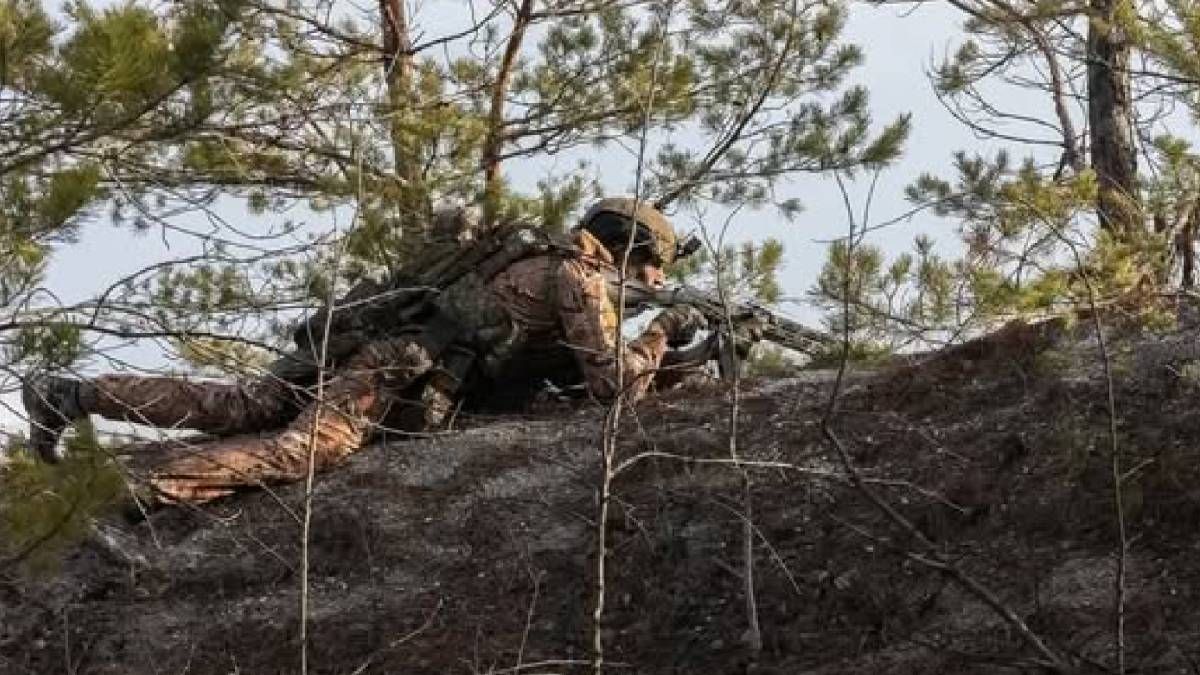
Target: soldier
{"points": [[552, 303]]}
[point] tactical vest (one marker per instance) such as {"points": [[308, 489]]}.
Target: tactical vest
{"points": [[443, 297]]}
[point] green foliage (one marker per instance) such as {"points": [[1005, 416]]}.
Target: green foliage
{"points": [[860, 353], [1029, 230], [775, 73], [1170, 194], [1007, 214], [882, 303], [100, 68], [222, 357], [557, 198], [64, 195], [26, 32], [51, 346], [1172, 35], [92, 107], [745, 273], [212, 289], [1030, 248], [847, 281], [35, 212], [746, 78], [1118, 264], [770, 361], [45, 508]]}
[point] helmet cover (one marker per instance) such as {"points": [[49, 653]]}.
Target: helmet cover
{"points": [[650, 219]]}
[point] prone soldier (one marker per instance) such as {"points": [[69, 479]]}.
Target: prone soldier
{"points": [[552, 302]]}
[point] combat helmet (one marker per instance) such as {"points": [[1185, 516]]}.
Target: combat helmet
{"points": [[608, 220]]}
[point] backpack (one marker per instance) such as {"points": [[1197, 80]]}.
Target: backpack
{"points": [[444, 289]]}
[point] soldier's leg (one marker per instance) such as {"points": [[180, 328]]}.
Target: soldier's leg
{"points": [[327, 430], [219, 408], [213, 407]]}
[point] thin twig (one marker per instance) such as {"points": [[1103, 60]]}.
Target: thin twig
{"points": [[613, 417], [1110, 402], [362, 668], [319, 403], [537, 585], [753, 635]]}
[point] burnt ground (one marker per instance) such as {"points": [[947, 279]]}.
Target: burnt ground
{"points": [[475, 551]]}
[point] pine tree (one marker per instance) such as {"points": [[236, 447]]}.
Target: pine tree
{"points": [[88, 112], [756, 89], [1071, 53], [45, 507], [1023, 222], [140, 115], [1170, 35]]}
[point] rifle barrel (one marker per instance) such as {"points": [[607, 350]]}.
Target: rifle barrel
{"points": [[775, 328]]}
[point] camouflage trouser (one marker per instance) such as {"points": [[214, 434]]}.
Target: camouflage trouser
{"points": [[213, 407], [330, 427]]}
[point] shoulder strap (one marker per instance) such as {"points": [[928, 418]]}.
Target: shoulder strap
{"points": [[515, 243]]}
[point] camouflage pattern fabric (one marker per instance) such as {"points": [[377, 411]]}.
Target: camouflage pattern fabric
{"points": [[328, 429], [565, 302], [644, 213], [551, 302], [589, 321], [176, 402]]}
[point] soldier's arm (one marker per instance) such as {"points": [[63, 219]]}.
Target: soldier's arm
{"points": [[589, 323]]}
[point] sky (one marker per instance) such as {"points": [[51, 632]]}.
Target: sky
{"points": [[899, 45]]}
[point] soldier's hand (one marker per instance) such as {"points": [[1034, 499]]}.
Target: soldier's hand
{"points": [[745, 335], [696, 355], [680, 324]]}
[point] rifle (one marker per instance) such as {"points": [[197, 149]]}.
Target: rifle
{"points": [[751, 322]]}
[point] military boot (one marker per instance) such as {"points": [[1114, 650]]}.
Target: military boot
{"points": [[52, 403]]}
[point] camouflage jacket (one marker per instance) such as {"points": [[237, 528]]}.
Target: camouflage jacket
{"points": [[541, 304], [561, 300]]}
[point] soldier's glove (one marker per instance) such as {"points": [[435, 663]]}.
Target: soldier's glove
{"points": [[696, 355], [680, 324], [745, 335]]}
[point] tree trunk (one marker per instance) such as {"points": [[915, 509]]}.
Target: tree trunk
{"points": [[398, 73], [495, 132], [1185, 244], [1110, 117]]}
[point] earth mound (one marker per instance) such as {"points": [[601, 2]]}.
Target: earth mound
{"points": [[475, 551]]}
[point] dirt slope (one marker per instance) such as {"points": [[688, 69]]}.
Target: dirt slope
{"points": [[474, 552]]}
